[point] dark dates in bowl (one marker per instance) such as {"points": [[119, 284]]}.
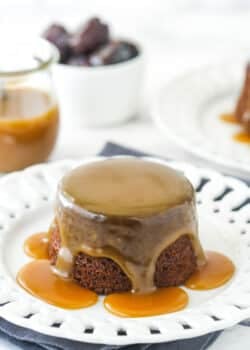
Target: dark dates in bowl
{"points": [[91, 45], [98, 79]]}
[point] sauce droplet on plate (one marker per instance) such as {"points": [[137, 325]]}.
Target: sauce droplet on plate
{"points": [[161, 301], [218, 270], [242, 137], [229, 118], [36, 246], [38, 279]]}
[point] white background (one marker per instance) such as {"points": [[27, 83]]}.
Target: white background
{"points": [[177, 35]]}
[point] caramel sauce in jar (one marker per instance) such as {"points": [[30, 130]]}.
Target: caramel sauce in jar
{"points": [[162, 301], [38, 279], [29, 122], [217, 270], [36, 246]]}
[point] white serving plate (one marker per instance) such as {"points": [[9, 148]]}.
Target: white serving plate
{"points": [[187, 111], [26, 207]]}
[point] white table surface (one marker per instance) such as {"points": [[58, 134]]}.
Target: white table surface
{"points": [[173, 44]]}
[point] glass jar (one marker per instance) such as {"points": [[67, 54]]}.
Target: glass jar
{"points": [[29, 115]]}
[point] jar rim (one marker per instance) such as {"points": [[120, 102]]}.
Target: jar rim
{"points": [[42, 61]]}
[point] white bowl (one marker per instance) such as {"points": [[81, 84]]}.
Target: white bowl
{"points": [[99, 96]]}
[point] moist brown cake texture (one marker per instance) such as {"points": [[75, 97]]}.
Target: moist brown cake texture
{"points": [[242, 110], [102, 275]]}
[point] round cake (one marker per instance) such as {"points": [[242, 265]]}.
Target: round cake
{"points": [[125, 223]]}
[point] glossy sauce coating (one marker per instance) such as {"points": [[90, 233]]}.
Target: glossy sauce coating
{"points": [[36, 246], [218, 270], [28, 127], [126, 187], [38, 279], [128, 210], [162, 301]]}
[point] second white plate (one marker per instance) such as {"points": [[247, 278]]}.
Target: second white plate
{"points": [[187, 110]]}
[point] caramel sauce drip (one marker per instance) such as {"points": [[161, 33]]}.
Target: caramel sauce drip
{"points": [[36, 246], [128, 210], [218, 270], [38, 279], [28, 127], [242, 136], [162, 301]]}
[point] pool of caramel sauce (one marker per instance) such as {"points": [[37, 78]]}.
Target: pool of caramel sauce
{"points": [[37, 278], [36, 246], [161, 301], [241, 136], [217, 271], [29, 121]]}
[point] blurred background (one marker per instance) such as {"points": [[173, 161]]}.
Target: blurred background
{"points": [[177, 36]]}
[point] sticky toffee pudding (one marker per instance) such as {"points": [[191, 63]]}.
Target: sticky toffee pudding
{"points": [[128, 211], [125, 228]]}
